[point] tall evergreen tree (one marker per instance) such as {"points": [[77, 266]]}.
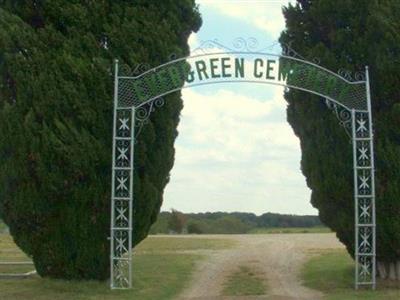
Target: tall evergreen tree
{"points": [[56, 87], [350, 34]]}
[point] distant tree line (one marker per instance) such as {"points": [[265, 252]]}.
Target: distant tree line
{"points": [[227, 223]]}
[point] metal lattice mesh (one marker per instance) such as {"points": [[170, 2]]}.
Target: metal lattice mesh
{"points": [[152, 84], [241, 67], [316, 79]]}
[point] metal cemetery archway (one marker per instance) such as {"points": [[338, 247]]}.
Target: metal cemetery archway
{"points": [[135, 97]]}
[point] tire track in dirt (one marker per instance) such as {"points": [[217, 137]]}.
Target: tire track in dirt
{"points": [[278, 256]]}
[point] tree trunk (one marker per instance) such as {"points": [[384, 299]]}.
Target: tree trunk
{"points": [[388, 270], [381, 269], [398, 269], [392, 271]]}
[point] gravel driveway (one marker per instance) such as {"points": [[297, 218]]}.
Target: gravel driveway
{"points": [[278, 256]]}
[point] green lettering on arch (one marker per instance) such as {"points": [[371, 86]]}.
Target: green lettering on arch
{"points": [[344, 93], [258, 62], [201, 69], [332, 85], [164, 80], [289, 71], [239, 67], [270, 68], [138, 90], [225, 65], [177, 74], [284, 69], [214, 67]]}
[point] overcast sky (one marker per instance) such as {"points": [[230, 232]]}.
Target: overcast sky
{"points": [[235, 150]]}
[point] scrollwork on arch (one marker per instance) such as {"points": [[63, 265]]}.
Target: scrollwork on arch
{"points": [[142, 114], [342, 114], [126, 70], [207, 45], [247, 45], [351, 76], [250, 44], [287, 50]]}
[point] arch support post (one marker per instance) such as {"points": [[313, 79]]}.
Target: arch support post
{"points": [[364, 195], [122, 193]]}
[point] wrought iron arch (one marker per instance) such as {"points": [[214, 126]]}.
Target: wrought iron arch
{"points": [[135, 97]]}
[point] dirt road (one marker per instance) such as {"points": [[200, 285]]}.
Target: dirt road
{"points": [[278, 256]]}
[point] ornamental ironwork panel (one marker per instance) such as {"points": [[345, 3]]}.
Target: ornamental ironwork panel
{"points": [[122, 183], [364, 195], [123, 123], [365, 270], [121, 213], [120, 277], [365, 210], [123, 153], [122, 193]]}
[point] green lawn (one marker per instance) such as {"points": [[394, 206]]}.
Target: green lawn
{"points": [[316, 229], [161, 270], [9, 252], [244, 282], [2, 226], [177, 243], [332, 272]]}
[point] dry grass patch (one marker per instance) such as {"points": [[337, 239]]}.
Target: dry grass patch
{"points": [[245, 282]]}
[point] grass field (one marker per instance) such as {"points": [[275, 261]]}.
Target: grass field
{"points": [[333, 273], [2, 226], [10, 253], [244, 282], [317, 229], [161, 270], [176, 243]]}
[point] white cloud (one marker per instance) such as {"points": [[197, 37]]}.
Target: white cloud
{"points": [[207, 119], [232, 154], [274, 27], [193, 41], [265, 15], [235, 152]]}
